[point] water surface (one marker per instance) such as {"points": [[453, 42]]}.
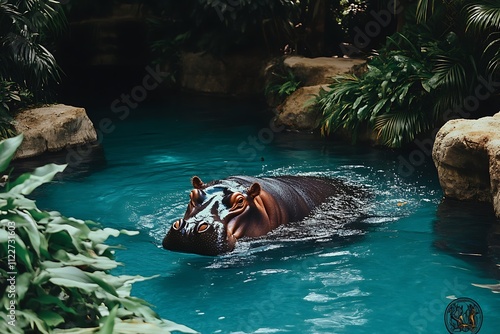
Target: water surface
{"points": [[390, 264]]}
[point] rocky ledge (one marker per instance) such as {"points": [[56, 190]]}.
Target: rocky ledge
{"points": [[296, 112], [467, 156], [53, 128]]}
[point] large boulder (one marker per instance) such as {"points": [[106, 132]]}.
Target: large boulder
{"points": [[296, 112], [53, 128], [467, 156]]}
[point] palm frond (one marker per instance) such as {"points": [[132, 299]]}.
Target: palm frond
{"points": [[484, 16], [24, 30], [450, 72], [400, 127], [424, 9], [494, 48], [484, 19]]}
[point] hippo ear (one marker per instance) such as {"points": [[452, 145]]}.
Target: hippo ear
{"points": [[254, 190], [197, 182]]}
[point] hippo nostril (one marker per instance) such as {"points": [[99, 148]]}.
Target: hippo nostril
{"points": [[203, 227], [179, 225]]}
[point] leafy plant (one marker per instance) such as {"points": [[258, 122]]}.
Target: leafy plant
{"points": [[55, 271], [25, 28], [390, 98], [484, 19], [421, 73], [282, 82]]}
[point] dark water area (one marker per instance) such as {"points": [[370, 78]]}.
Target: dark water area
{"points": [[389, 262]]}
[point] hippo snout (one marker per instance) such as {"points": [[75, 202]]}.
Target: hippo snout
{"points": [[198, 237], [184, 227]]}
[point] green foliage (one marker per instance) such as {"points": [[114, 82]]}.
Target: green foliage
{"points": [[484, 19], [389, 98], [25, 30], [9, 96], [221, 27], [418, 77], [282, 82], [55, 271]]}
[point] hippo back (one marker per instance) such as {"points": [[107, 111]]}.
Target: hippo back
{"points": [[296, 195]]}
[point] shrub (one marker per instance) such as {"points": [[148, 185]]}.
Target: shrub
{"points": [[391, 98], [55, 271], [281, 83], [422, 77]]}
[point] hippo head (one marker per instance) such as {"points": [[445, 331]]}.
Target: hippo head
{"points": [[217, 215]]}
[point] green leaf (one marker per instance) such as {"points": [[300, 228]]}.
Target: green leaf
{"points": [[100, 236], [32, 318], [52, 319], [23, 254], [28, 182], [109, 322], [23, 284], [96, 262], [357, 102], [8, 148], [71, 277], [379, 106], [32, 231], [4, 236], [52, 301]]}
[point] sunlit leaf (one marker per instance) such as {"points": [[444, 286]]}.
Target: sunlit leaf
{"points": [[8, 149], [109, 322], [28, 182]]}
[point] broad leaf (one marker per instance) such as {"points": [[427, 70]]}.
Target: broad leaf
{"points": [[8, 149], [51, 318], [109, 322], [28, 182]]}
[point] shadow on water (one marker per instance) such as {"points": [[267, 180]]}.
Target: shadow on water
{"points": [[81, 162], [469, 231]]}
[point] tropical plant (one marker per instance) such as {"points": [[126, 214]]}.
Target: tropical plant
{"points": [[390, 98], [55, 271], [282, 82], [483, 18], [25, 27], [424, 72], [27, 67]]}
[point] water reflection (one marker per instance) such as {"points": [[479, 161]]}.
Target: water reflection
{"points": [[82, 161], [469, 231]]}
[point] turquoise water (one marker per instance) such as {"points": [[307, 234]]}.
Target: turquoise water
{"points": [[390, 267]]}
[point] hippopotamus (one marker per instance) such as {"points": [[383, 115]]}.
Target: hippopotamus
{"points": [[223, 211]]}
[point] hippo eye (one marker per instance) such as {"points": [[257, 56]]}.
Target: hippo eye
{"points": [[238, 203], [178, 225], [203, 227]]}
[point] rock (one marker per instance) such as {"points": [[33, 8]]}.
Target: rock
{"points": [[53, 128], [231, 75], [467, 156], [317, 71], [297, 112]]}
